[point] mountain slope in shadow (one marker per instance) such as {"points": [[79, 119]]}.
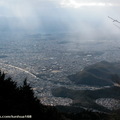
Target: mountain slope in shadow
{"points": [[99, 74]]}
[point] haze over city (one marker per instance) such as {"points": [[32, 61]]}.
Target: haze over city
{"points": [[89, 18], [48, 40]]}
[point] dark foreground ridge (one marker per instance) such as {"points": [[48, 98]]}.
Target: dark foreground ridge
{"points": [[21, 101]]}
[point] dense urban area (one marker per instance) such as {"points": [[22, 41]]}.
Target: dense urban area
{"points": [[47, 59]]}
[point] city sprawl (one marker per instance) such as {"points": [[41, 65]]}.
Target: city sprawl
{"points": [[47, 59]]}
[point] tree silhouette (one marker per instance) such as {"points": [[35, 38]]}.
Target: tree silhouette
{"points": [[21, 100]]}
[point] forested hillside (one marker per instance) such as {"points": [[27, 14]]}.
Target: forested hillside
{"points": [[21, 101]]}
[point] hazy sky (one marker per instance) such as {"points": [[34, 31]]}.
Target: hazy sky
{"points": [[87, 17]]}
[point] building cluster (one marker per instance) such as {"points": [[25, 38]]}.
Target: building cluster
{"points": [[47, 60]]}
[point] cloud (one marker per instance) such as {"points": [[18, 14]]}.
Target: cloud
{"points": [[83, 3], [51, 16], [27, 13]]}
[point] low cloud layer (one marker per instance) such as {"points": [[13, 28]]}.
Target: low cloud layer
{"points": [[89, 18]]}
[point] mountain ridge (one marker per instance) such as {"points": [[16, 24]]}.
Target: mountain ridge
{"points": [[98, 74]]}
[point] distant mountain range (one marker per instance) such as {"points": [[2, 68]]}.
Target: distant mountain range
{"points": [[99, 74]]}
